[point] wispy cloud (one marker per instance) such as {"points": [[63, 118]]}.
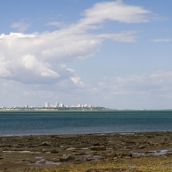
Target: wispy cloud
{"points": [[146, 84], [161, 40], [115, 11], [56, 23], [21, 26], [112, 11]]}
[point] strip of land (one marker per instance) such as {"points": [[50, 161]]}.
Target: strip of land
{"points": [[111, 152]]}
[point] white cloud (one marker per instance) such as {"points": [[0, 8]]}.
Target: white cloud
{"points": [[41, 55], [37, 58], [29, 62], [4, 72], [115, 11], [134, 88], [125, 36], [21, 26], [77, 81], [161, 40], [147, 84]]}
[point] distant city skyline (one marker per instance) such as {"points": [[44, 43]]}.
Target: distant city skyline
{"points": [[113, 53], [47, 105]]}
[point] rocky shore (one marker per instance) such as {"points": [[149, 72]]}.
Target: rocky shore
{"points": [[113, 152]]}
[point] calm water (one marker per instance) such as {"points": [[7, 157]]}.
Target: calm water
{"points": [[34, 122]]}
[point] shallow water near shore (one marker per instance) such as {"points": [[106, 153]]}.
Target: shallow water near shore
{"points": [[82, 122]]}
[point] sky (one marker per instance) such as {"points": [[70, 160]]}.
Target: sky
{"points": [[111, 53]]}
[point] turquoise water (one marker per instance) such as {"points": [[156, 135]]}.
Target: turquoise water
{"points": [[73, 122]]}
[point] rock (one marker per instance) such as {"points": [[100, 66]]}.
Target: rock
{"points": [[66, 158], [142, 146], [56, 145], [169, 153], [3, 145], [155, 144], [55, 159], [45, 144], [98, 148], [54, 151], [106, 170], [109, 156], [71, 149], [89, 159], [96, 144], [124, 149], [137, 144], [135, 155], [126, 157], [150, 152], [149, 142], [77, 160], [115, 158]]}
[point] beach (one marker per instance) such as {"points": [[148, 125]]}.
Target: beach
{"points": [[134, 151]]}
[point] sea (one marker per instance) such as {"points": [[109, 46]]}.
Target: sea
{"points": [[83, 122]]}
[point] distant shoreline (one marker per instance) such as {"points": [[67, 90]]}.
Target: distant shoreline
{"points": [[82, 110]]}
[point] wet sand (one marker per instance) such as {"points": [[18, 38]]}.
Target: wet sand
{"points": [[113, 152]]}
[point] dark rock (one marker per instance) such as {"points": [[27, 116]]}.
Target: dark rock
{"points": [[142, 146], [66, 158], [96, 144], [89, 159], [45, 144], [109, 156], [56, 145], [149, 142], [54, 151], [98, 148]]}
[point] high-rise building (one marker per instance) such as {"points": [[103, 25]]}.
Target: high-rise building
{"points": [[57, 104], [61, 105], [46, 104]]}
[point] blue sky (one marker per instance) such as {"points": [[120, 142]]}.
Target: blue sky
{"points": [[114, 53]]}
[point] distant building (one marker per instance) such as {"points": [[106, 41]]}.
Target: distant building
{"points": [[57, 104], [46, 104], [61, 105]]}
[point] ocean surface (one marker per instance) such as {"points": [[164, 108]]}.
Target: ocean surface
{"points": [[80, 122]]}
